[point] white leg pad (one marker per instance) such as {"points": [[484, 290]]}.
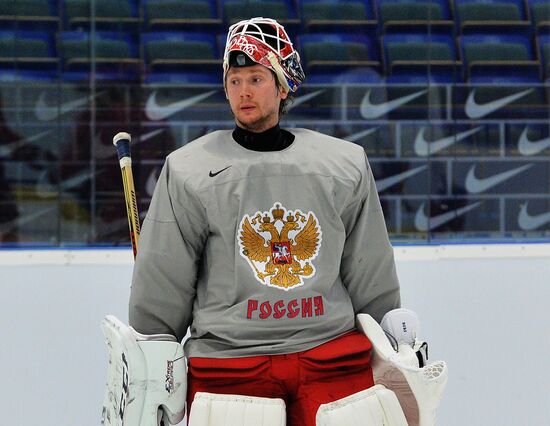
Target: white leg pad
{"points": [[209, 409], [376, 406], [146, 378]]}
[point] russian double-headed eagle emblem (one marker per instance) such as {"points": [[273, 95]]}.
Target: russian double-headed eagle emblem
{"points": [[279, 245]]}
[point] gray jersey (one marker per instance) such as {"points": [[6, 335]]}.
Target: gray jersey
{"points": [[262, 252]]}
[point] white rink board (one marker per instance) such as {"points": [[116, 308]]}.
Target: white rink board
{"points": [[483, 309]]}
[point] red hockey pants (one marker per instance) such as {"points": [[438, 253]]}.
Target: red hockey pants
{"points": [[304, 380]]}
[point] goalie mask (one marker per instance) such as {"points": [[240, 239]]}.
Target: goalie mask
{"points": [[264, 41]]}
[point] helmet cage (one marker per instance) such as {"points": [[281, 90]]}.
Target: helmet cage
{"points": [[266, 42]]}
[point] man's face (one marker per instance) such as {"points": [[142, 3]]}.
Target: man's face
{"points": [[254, 97]]}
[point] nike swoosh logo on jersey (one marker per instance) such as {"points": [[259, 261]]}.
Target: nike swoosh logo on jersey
{"points": [[529, 147], [476, 110], [154, 111], [423, 148], [476, 185], [218, 172], [425, 223], [528, 222], [45, 112], [7, 150], [301, 99], [385, 183], [23, 220], [370, 110], [356, 136]]}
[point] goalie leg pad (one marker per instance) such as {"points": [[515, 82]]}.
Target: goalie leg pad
{"points": [[419, 390], [376, 406], [146, 378], [209, 409]]}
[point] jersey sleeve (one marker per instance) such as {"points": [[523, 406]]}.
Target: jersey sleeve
{"points": [[368, 267], [165, 271]]}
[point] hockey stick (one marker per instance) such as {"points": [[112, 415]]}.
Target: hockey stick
{"points": [[122, 144]]}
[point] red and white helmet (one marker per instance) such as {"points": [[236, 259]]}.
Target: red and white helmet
{"points": [[266, 42]]}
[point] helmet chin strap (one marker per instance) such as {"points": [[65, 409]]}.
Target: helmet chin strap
{"points": [[279, 71]]}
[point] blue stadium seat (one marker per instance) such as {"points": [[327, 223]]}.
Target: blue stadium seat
{"points": [[419, 56], [28, 14], [27, 51], [349, 16], [415, 16], [491, 16], [181, 56], [199, 78], [12, 76], [540, 15], [357, 75], [108, 14], [485, 57], [115, 55], [426, 79], [281, 10], [543, 44], [221, 38], [188, 15], [334, 53]]}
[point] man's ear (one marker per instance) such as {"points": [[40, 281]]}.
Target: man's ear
{"points": [[283, 94]]}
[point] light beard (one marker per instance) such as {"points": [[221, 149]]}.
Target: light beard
{"points": [[259, 125], [256, 127]]}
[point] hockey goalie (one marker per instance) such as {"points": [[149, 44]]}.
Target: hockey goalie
{"points": [[269, 245]]}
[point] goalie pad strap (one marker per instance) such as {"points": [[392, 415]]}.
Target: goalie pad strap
{"points": [[376, 406], [210, 409]]}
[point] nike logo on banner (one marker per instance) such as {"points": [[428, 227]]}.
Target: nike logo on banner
{"points": [[530, 223], [44, 189], [21, 221], [425, 223], [154, 111], [301, 99], [149, 135], [529, 147], [218, 172], [385, 183], [45, 112], [423, 148], [151, 182], [475, 110], [370, 110], [107, 228], [475, 185], [102, 151], [356, 136], [7, 150]]}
